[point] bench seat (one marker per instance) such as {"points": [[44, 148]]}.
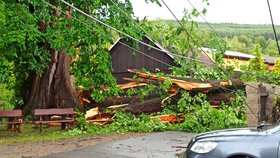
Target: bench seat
{"points": [[16, 122], [50, 121], [12, 117], [62, 113]]}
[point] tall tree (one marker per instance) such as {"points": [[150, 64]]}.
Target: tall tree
{"points": [[257, 64], [45, 39], [236, 45], [271, 48], [261, 40]]}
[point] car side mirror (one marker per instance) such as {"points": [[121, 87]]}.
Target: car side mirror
{"points": [[262, 126]]}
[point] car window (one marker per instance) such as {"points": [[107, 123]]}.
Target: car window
{"points": [[273, 128]]}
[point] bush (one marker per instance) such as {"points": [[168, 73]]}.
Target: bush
{"points": [[6, 98]]}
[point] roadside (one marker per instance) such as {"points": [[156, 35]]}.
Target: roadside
{"points": [[35, 150]]}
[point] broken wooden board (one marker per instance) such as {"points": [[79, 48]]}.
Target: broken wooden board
{"points": [[190, 86], [94, 112], [171, 118]]}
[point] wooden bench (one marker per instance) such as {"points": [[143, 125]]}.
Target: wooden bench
{"points": [[11, 117], [64, 115]]}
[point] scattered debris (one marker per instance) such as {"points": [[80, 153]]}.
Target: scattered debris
{"points": [[217, 92], [113, 107], [92, 113], [94, 116], [188, 85], [172, 118]]}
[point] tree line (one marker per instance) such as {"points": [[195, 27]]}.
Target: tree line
{"points": [[239, 37]]}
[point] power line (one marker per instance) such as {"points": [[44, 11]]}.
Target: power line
{"points": [[139, 51], [189, 34], [110, 37], [204, 52], [89, 16], [125, 34], [213, 30], [195, 42], [130, 46], [272, 23], [120, 9], [154, 41], [176, 55], [120, 32], [130, 36], [258, 88], [203, 18]]}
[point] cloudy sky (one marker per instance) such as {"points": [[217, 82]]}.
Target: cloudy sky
{"points": [[219, 11]]}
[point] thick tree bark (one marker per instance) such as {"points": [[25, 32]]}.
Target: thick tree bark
{"points": [[54, 89]]}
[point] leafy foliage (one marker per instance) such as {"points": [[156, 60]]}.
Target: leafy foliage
{"points": [[142, 93], [257, 63], [276, 69], [199, 117], [6, 97], [32, 29], [2, 16], [202, 117], [220, 47], [258, 71]]}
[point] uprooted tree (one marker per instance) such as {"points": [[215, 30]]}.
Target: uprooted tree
{"points": [[42, 41]]}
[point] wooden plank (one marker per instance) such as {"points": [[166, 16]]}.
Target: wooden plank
{"points": [[61, 121], [10, 113], [16, 122], [117, 106], [54, 111]]}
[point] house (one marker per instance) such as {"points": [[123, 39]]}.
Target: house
{"points": [[124, 57], [237, 59]]}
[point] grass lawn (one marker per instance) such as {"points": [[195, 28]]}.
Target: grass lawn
{"points": [[31, 134]]}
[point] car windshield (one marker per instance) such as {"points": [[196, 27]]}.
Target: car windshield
{"points": [[273, 128]]}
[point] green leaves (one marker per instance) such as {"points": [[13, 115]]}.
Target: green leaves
{"points": [[2, 15], [153, 1], [220, 47], [31, 28], [258, 70]]}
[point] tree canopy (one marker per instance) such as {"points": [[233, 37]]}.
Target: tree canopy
{"points": [[42, 41], [34, 31]]}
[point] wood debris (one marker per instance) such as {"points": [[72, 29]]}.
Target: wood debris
{"points": [[94, 116], [216, 91], [172, 118], [92, 113], [114, 107], [187, 85], [131, 85]]}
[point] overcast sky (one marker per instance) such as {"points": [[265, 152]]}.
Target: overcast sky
{"points": [[219, 11]]}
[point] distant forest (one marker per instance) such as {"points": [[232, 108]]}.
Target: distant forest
{"points": [[241, 37], [228, 30]]}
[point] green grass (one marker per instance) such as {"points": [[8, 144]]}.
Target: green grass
{"points": [[31, 134]]}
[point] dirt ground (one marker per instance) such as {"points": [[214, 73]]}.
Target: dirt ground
{"points": [[40, 149]]}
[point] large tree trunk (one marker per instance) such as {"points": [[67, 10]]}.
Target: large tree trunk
{"points": [[54, 89]]}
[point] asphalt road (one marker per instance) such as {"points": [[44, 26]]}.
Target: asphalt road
{"points": [[156, 145]]}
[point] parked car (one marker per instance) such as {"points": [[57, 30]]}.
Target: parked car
{"points": [[259, 142]]}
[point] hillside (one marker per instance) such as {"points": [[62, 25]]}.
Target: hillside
{"points": [[230, 29]]}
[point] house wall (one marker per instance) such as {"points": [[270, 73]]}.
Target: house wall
{"points": [[124, 58], [238, 62]]}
